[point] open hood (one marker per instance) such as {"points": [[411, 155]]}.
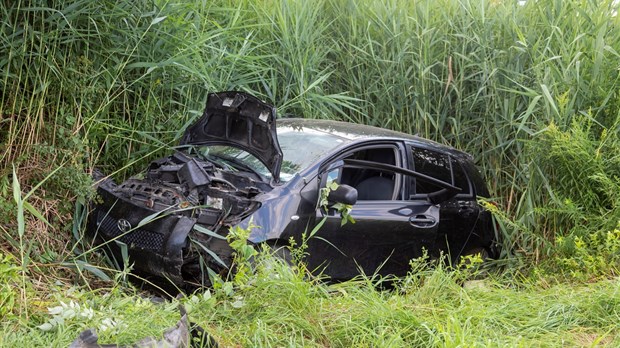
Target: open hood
{"points": [[240, 120]]}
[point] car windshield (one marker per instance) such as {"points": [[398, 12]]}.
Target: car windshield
{"points": [[300, 147]]}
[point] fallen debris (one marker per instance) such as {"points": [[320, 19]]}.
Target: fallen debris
{"points": [[183, 335]]}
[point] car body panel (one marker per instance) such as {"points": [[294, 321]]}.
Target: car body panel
{"points": [[383, 239], [158, 245], [241, 120]]}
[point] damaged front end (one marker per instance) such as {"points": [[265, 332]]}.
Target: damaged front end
{"points": [[172, 221]]}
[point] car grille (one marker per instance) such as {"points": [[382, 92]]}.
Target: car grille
{"points": [[136, 238]]}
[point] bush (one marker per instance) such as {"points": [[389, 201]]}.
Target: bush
{"points": [[580, 169]]}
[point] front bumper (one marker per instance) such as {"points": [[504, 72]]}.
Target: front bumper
{"points": [[156, 243]]}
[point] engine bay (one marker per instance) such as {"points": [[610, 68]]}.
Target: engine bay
{"points": [[181, 207], [182, 182]]}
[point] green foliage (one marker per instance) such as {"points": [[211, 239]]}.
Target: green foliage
{"points": [[118, 317], [9, 279], [7, 205], [343, 209], [432, 307], [244, 252], [580, 169], [592, 255]]}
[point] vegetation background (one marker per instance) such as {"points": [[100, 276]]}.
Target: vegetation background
{"points": [[531, 90]]}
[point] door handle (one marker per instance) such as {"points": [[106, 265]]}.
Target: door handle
{"points": [[423, 221]]}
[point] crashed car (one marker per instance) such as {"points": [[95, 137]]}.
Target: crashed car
{"points": [[234, 166]]}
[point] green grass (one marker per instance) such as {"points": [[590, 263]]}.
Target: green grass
{"points": [[278, 307], [532, 92]]}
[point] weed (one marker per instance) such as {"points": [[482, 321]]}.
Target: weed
{"points": [[9, 278], [593, 255]]}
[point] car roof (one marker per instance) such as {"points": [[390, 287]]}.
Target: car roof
{"points": [[352, 132]]}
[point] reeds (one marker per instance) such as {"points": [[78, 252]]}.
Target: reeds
{"points": [[112, 83]]}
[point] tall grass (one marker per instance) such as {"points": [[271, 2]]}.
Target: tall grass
{"points": [[113, 84]]}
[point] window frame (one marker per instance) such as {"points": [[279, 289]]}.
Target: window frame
{"points": [[400, 160]]}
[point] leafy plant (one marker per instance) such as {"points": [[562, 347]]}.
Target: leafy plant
{"points": [[581, 171], [9, 278], [343, 209], [593, 255], [244, 252]]}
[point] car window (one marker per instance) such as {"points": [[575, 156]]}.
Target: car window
{"points": [[439, 166], [302, 148], [233, 158], [371, 184], [433, 164]]}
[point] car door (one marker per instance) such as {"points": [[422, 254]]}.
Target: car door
{"points": [[388, 231], [459, 214]]}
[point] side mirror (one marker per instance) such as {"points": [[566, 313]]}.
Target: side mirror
{"points": [[344, 194]]}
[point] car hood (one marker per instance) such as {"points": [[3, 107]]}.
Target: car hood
{"points": [[240, 120]]}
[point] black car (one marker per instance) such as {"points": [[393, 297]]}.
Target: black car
{"points": [[235, 166]]}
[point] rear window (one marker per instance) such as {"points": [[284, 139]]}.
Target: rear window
{"points": [[439, 166]]}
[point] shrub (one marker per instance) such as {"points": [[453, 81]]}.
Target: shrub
{"points": [[580, 169]]}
